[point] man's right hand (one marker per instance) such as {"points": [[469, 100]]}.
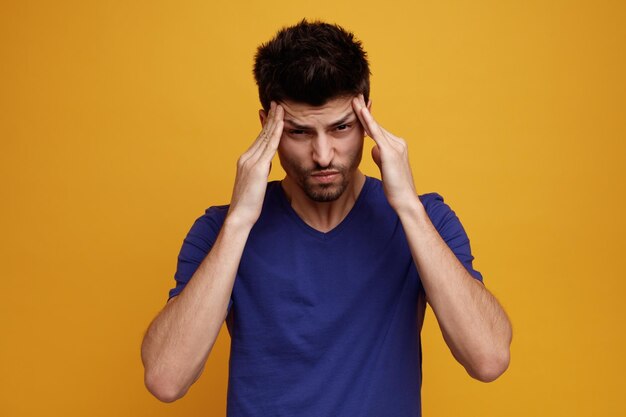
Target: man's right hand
{"points": [[179, 340], [253, 168]]}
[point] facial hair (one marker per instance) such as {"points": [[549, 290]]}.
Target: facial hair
{"points": [[323, 193]]}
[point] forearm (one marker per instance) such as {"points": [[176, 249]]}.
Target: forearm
{"points": [[179, 340], [473, 323]]}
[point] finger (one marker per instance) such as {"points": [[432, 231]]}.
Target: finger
{"points": [[273, 135], [269, 122], [274, 139], [370, 123], [257, 146], [376, 133], [267, 138], [273, 125], [373, 123], [356, 105]]}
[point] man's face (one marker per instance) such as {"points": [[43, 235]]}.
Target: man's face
{"points": [[321, 147]]}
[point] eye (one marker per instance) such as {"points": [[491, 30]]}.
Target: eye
{"points": [[344, 127], [296, 132]]}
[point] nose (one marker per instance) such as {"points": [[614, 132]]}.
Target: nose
{"points": [[323, 150]]}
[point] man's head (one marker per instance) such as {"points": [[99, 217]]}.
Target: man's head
{"points": [[311, 62], [314, 70]]}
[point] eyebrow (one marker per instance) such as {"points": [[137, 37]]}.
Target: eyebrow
{"points": [[341, 121]]}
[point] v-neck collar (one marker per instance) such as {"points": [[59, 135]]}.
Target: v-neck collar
{"points": [[335, 230]]}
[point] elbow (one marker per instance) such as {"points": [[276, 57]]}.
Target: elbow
{"points": [[162, 388], [491, 367], [162, 382]]}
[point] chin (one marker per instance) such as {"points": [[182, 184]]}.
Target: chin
{"points": [[324, 196], [325, 193]]}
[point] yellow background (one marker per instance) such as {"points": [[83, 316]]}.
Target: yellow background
{"points": [[121, 121]]}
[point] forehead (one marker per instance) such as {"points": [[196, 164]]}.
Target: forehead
{"points": [[306, 114]]}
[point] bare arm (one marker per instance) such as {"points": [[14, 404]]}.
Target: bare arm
{"points": [[474, 325], [180, 338]]}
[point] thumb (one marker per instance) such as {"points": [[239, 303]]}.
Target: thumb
{"points": [[376, 156]]}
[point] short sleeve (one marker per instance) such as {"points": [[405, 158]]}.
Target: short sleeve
{"points": [[451, 230], [197, 245]]}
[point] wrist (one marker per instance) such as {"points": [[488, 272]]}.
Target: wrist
{"points": [[235, 223], [411, 207]]}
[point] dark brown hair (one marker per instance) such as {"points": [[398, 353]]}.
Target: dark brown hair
{"points": [[311, 62]]}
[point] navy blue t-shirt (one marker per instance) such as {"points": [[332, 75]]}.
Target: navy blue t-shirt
{"points": [[324, 324]]}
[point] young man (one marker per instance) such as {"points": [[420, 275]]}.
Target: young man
{"points": [[322, 277]]}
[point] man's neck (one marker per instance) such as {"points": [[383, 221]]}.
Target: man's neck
{"points": [[323, 216]]}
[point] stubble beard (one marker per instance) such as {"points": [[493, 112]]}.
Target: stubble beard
{"points": [[324, 193]]}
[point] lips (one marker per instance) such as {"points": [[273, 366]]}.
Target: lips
{"points": [[325, 176]]}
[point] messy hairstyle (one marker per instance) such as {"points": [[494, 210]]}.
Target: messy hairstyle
{"points": [[311, 62]]}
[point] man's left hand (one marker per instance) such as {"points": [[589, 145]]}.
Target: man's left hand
{"points": [[392, 157]]}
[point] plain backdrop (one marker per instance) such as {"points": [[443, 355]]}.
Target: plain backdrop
{"points": [[121, 122]]}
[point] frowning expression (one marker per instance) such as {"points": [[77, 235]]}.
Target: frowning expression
{"points": [[321, 146]]}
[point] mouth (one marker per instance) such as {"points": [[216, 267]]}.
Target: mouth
{"points": [[325, 176]]}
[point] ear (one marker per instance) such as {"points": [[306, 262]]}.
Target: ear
{"points": [[262, 116]]}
